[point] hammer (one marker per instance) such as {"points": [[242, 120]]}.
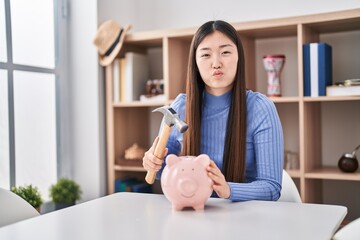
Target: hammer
{"points": [[170, 119]]}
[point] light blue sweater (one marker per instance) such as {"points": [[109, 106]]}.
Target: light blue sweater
{"points": [[264, 143]]}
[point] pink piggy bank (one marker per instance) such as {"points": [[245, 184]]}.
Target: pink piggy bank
{"points": [[185, 182]]}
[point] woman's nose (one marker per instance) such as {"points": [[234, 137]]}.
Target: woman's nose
{"points": [[216, 62], [216, 66]]}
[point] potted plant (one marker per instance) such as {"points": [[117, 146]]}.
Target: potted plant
{"points": [[30, 194], [65, 193]]}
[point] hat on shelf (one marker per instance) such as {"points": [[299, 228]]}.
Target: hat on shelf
{"points": [[109, 39]]}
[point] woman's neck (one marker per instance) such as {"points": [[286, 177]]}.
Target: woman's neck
{"points": [[213, 101]]}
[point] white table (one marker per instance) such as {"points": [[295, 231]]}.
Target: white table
{"points": [[150, 216]]}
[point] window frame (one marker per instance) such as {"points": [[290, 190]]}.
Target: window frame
{"points": [[60, 72]]}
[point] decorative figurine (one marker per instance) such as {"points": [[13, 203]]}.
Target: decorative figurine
{"points": [[134, 152], [185, 182]]}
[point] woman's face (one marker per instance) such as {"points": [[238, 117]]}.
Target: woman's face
{"points": [[216, 58]]}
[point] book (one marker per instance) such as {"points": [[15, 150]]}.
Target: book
{"points": [[141, 187], [306, 66], [124, 185], [132, 185], [116, 80], [348, 82], [136, 74], [317, 63], [122, 80], [343, 90]]}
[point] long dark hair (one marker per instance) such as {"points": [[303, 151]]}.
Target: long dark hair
{"points": [[235, 141]]}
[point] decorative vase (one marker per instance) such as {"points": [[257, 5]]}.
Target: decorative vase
{"points": [[348, 161], [273, 65]]}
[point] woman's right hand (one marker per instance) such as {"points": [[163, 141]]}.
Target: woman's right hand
{"points": [[150, 161]]}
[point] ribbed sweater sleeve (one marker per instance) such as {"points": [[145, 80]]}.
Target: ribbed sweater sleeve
{"points": [[264, 152]]}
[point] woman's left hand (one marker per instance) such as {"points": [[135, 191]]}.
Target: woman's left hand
{"points": [[221, 187]]}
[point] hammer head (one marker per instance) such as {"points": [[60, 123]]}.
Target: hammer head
{"points": [[171, 118]]}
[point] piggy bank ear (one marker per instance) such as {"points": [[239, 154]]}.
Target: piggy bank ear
{"points": [[172, 159], [203, 159]]}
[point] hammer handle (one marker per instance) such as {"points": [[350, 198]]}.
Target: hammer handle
{"points": [[159, 152]]}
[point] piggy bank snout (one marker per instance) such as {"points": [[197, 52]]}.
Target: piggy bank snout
{"points": [[187, 187]]}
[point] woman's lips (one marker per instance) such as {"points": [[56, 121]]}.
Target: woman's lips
{"points": [[217, 73]]}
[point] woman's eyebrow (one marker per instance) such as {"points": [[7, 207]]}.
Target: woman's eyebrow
{"points": [[221, 46], [204, 49], [226, 45]]}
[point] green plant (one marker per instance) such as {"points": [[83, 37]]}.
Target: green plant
{"points": [[30, 194], [65, 191]]}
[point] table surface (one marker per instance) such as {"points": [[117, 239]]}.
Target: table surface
{"points": [[150, 216]]}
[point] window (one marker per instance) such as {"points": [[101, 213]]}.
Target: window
{"points": [[35, 129], [3, 53], [32, 28], [28, 93], [4, 132]]}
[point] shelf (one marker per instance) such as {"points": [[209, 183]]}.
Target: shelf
{"points": [[284, 99], [148, 39], [141, 104], [129, 165], [276, 31], [332, 173], [317, 128], [329, 99], [129, 168], [294, 173], [338, 25]]}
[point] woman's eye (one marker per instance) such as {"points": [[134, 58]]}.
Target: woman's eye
{"points": [[205, 55], [226, 53]]}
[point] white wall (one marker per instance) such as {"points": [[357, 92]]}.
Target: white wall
{"points": [[86, 116], [86, 78], [163, 14]]}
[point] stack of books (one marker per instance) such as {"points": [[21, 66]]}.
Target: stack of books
{"points": [[350, 87], [132, 185], [129, 77], [317, 63]]}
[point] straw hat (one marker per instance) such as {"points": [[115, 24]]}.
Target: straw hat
{"points": [[109, 39]]}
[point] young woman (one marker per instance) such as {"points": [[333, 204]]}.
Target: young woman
{"points": [[239, 129]]}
